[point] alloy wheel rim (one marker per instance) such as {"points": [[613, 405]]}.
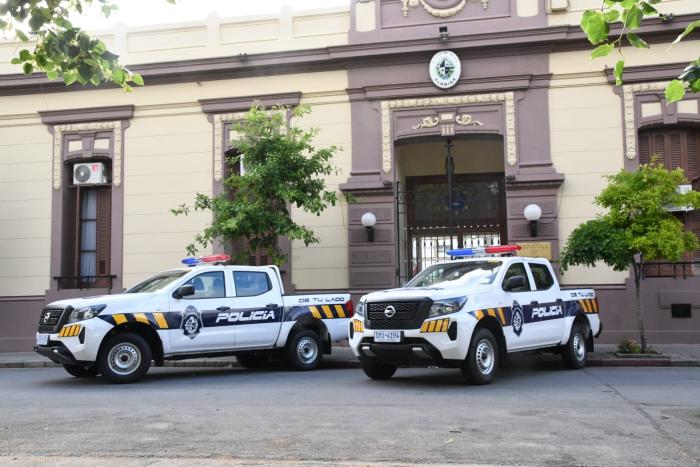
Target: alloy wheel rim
{"points": [[307, 350], [579, 348], [485, 357], [124, 359]]}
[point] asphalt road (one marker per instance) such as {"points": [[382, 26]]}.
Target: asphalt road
{"points": [[179, 416]]}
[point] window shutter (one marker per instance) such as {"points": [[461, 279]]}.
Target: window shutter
{"points": [[104, 230], [693, 171], [644, 145], [675, 155], [660, 147]]}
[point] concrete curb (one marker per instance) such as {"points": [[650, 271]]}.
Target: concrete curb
{"points": [[592, 362]]}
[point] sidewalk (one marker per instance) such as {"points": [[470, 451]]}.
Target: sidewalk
{"points": [[680, 355]]}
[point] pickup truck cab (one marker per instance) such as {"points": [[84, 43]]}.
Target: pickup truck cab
{"points": [[205, 310], [469, 313]]}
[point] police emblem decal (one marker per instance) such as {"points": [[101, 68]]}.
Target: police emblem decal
{"points": [[445, 69], [191, 322], [517, 318]]}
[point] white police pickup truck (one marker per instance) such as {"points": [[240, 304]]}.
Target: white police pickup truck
{"points": [[468, 313], [204, 310]]}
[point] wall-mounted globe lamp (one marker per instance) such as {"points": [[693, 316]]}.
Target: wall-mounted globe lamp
{"points": [[532, 213], [368, 222]]}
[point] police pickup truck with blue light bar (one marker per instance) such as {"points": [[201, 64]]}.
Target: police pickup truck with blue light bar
{"points": [[202, 310], [468, 313]]}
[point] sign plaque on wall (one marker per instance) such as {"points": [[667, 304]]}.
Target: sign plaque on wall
{"points": [[536, 249], [445, 69]]}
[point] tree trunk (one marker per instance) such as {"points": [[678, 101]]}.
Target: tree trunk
{"points": [[638, 269]]}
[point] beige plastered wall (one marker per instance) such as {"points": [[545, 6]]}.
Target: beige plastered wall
{"points": [[586, 136], [572, 14], [167, 159]]}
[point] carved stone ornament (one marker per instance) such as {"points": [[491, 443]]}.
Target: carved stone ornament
{"points": [[58, 131], [428, 122], [466, 120], [507, 98], [628, 91], [437, 11]]}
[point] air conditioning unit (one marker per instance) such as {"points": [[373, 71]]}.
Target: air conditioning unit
{"points": [[89, 173]]}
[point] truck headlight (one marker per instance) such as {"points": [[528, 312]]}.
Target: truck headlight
{"points": [[360, 308], [446, 306], [81, 314]]}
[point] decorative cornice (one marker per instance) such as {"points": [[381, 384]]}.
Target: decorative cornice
{"points": [[244, 103], [519, 41], [646, 73], [93, 114], [507, 98], [628, 91]]}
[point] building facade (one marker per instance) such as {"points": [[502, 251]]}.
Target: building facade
{"points": [[529, 119]]}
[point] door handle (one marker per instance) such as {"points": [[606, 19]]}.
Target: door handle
{"points": [[534, 303], [559, 301], [271, 306], [223, 308]]}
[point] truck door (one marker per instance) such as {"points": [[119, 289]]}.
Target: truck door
{"points": [[549, 312], [257, 308], [199, 328], [521, 332]]}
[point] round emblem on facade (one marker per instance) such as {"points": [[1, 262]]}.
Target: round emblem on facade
{"points": [[445, 69], [389, 311], [517, 318]]}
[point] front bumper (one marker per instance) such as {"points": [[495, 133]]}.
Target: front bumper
{"points": [[75, 343], [57, 353], [412, 352]]}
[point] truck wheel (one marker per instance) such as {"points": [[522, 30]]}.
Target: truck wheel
{"points": [[81, 372], [481, 363], [252, 360], [124, 358], [379, 371], [304, 350], [574, 352]]}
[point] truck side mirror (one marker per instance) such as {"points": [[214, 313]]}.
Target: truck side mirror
{"points": [[514, 282], [184, 291]]}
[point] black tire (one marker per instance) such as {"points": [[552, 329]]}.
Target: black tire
{"points": [[379, 371], [252, 360], [81, 372], [574, 351], [124, 358], [304, 351], [481, 364]]}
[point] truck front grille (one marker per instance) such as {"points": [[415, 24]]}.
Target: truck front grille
{"points": [[50, 319], [408, 315]]}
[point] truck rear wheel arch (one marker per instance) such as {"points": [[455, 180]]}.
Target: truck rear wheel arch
{"points": [[315, 325], [148, 333], [493, 325], [582, 319]]}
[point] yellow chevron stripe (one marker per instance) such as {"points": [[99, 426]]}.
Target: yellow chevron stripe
{"points": [[314, 312], [503, 318], [491, 312], [445, 325], [141, 317], [60, 334], [431, 326], [479, 314], [595, 304], [76, 331], [584, 305], [340, 311], [119, 319], [424, 328], [327, 311], [160, 319], [438, 325]]}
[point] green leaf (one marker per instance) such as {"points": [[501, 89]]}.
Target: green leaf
{"points": [[594, 25], [688, 29], [63, 23], [118, 76], [21, 36], [675, 91], [15, 61], [648, 9], [3, 24], [70, 77], [137, 79], [637, 41], [52, 74], [25, 55], [602, 50], [619, 69], [627, 4], [611, 15], [695, 85], [27, 68], [634, 18]]}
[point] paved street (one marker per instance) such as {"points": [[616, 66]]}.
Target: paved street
{"points": [[180, 416]]}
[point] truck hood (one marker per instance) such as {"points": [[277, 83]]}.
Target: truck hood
{"points": [[433, 293], [108, 300]]}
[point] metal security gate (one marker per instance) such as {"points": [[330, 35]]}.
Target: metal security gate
{"points": [[428, 226]]}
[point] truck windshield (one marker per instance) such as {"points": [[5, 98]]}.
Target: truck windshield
{"points": [[458, 273], [155, 283]]}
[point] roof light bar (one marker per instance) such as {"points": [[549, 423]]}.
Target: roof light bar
{"points": [[488, 250], [195, 260]]}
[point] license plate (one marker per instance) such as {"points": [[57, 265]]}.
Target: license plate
{"points": [[387, 336], [42, 339]]}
